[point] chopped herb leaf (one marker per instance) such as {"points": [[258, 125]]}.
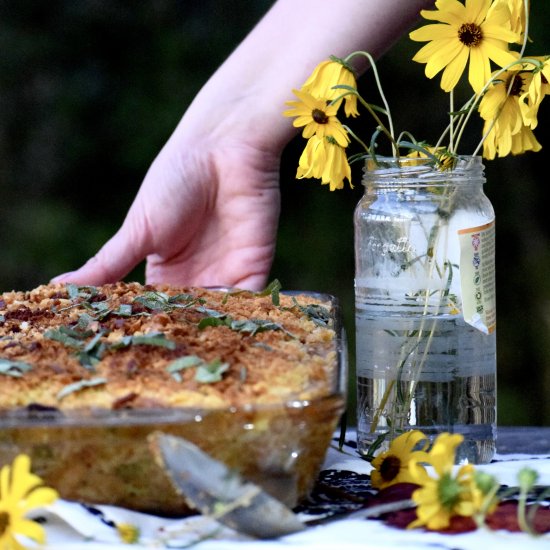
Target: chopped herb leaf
{"points": [[211, 312], [272, 288], [84, 321], [83, 292], [13, 368], [124, 310], [214, 322], [68, 336], [89, 352], [254, 325], [80, 385], [262, 345], [317, 313], [205, 373], [251, 326], [161, 301], [211, 372], [152, 339], [183, 363], [2, 318]]}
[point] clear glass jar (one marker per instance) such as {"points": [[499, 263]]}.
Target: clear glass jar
{"points": [[425, 305]]}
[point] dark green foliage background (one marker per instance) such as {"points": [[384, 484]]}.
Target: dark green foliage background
{"points": [[91, 89]]}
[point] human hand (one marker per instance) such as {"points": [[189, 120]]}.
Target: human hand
{"points": [[205, 215]]}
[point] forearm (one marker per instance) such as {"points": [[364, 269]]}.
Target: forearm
{"points": [[250, 88]]}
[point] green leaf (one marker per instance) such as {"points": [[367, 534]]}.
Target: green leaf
{"points": [[155, 300], [214, 322], [13, 368], [69, 337], [211, 312], [317, 313], [78, 386], [272, 288], [124, 310], [211, 372], [152, 339], [84, 322], [183, 363], [254, 325], [83, 292]]}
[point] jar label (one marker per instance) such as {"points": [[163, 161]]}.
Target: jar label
{"points": [[477, 276]]}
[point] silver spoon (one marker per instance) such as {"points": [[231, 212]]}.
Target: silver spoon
{"points": [[216, 491]]}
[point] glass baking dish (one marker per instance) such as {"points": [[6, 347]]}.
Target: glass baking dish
{"points": [[103, 456]]}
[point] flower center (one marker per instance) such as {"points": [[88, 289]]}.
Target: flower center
{"points": [[390, 468], [517, 85], [470, 35], [4, 522], [320, 117], [448, 490]]}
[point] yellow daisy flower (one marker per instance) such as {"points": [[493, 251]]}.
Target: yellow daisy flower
{"points": [[517, 16], [447, 161], [329, 73], [524, 141], [448, 494], [20, 492], [465, 33], [324, 159], [392, 466], [504, 124], [539, 87], [316, 117]]}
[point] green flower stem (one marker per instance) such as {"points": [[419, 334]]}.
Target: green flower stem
{"points": [[390, 133], [403, 402], [451, 121], [527, 478], [357, 138], [380, 408], [381, 125]]}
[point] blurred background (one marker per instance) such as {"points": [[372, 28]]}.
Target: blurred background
{"points": [[91, 89]]}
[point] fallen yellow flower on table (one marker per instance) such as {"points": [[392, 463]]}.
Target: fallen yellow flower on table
{"points": [[392, 466], [20, 492], [448, 494]]}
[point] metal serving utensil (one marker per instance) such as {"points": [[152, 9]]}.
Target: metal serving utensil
{"points": [[216, 491]]}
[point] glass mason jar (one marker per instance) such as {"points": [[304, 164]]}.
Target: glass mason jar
{"points": [[425, 305]]}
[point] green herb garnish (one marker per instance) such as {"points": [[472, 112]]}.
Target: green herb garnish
{"points": [[317, 313], [152, 339], [211, 372], [86, 293], [183, 363], [80, 385], [205, 373], [70, 337], [252, 326], [272, 288], [13, 368], [155, 301]]}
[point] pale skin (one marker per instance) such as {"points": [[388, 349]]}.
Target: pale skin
{"points": [[207, 211]]}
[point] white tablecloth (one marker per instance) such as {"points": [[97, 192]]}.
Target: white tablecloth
{"points": [[70, 526]]}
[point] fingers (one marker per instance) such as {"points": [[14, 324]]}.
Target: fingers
{"points": [[113, 262]]}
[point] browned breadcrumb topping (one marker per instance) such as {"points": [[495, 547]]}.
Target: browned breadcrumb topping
{"points": [[69, 347]]}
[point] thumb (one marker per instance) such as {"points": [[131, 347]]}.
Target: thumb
{"points": [[116, 258]]}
